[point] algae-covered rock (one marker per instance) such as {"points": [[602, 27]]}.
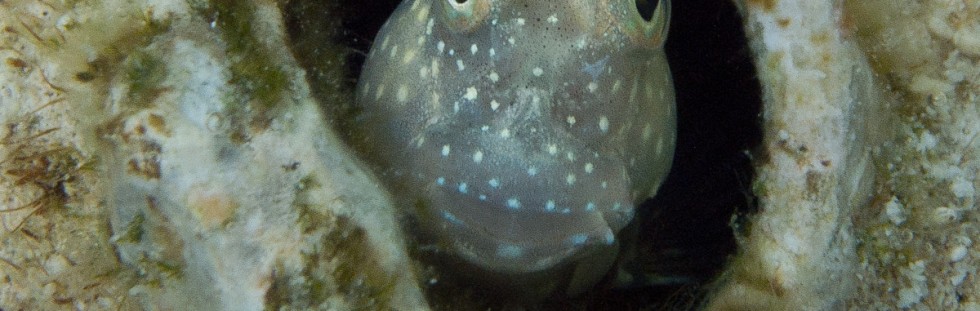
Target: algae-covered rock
{"points": [[168, 154], [868, 171]]}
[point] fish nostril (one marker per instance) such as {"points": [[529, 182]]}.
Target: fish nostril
{"points": [[644, 7]]}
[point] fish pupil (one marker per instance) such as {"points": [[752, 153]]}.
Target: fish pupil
{"points": [[644, 7]]}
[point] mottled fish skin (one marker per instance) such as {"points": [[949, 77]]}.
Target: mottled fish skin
{"points": [[530, 129]]}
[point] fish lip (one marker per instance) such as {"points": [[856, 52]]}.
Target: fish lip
{"points": [[484, 258], [491, 249]]}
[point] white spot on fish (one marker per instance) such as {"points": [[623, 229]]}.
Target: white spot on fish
{"points": [[380, 92], [478, 157], [402, 94], [423, 14], [471, 93], [409, 56], [509, 251], [647, 132], [513, 203]]}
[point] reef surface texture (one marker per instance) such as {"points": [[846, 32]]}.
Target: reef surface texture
{"points": [[867, 174], [170, 155]]}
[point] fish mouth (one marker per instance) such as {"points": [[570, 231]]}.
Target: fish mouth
{"points": [[516, 241]]}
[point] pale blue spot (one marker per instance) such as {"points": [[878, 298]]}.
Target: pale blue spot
{"points": [[578, 239], [550, 206], [451, 218], [441, 181], [590, 207], [596, 69], [483, 197], [513, 203], [494, 183], [462, 187], [509, 251]]}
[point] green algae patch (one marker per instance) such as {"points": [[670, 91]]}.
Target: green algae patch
{"points": [[145, 73], [263, 82], [133, 233], [343, 262], [126, 52]]}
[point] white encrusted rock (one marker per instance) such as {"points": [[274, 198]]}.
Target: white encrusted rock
{"points": [[863, 100], [212, 173]]}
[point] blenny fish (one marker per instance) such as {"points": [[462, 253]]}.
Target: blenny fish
{"points": [[524, 132]]}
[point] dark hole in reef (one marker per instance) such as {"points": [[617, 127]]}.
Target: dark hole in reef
{"points": [[685, 230], [646, 8]]}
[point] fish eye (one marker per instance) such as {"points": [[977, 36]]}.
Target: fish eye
{"points": [[644, 7], [460, 7], [465, 15], [649, 21]]}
